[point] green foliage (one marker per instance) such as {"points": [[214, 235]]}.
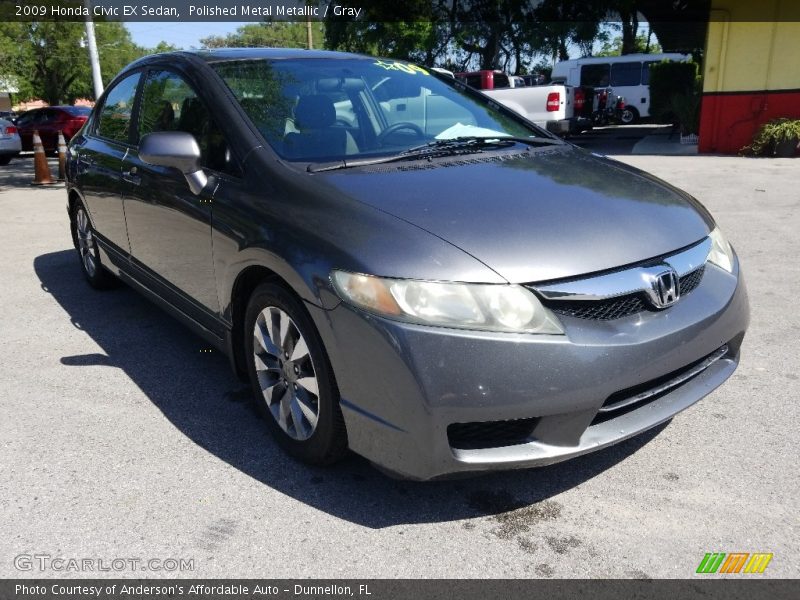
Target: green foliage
{"points": [[686, 111], [642, 45], [772, 133], [50, 61], [675, 93], [465, 34], [268, 35]]}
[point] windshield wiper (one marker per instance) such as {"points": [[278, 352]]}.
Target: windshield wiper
{"points": [[448, 147]]}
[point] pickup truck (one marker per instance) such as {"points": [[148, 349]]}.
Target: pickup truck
{"points": [[555, 107]]}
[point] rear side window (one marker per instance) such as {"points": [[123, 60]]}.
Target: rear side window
{"points": [[626, 73], [501, 80], [29, 119], [170, 104], [114, 119], [595, 75], [474, 81]]}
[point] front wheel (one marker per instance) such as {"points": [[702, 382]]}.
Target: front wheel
{"points": [[292, 380]]}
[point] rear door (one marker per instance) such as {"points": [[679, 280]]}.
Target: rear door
{"points": [[99, 164]]}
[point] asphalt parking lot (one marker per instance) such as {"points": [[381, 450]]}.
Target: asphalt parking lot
{"points": [[122, 438]]}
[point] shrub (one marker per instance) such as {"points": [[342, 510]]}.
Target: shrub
{"points": [[675, 94], [773, 133]]}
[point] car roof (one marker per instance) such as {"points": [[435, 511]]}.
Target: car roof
{"points": [[225, 54], [271, 53]]}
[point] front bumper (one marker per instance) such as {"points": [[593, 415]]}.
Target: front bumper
{"points": [[10, 146], [569, 126], [403, 385]]}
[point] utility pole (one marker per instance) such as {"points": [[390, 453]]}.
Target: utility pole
{"points": [[309, 35], [94, 59]]}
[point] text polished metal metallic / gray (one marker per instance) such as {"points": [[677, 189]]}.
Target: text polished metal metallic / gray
{"points": [[400, 267]]}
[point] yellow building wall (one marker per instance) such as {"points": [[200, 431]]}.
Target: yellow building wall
{"points": [[751, 70], [753, 46]]}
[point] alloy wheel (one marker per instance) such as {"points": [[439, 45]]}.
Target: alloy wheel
{"points": [[86, 243], [285, 373]]}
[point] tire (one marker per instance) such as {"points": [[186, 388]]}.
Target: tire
{"points": [[4, 160], [88, 253], [293, 384], [629, 116]]}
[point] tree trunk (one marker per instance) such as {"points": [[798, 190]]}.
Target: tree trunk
{"points": [[630, 25]]}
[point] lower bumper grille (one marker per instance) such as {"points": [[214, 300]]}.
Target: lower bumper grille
{"points": [[490, 434], [632, 397]]}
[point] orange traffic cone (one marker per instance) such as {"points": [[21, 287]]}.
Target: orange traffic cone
{"points": [[41, 169], [62, 156]]}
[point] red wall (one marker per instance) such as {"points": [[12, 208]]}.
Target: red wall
{"points": [[728, 121]]}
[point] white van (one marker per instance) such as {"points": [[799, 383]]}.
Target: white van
{"points": [[627, 75]]}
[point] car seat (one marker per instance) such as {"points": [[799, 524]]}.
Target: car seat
{"points": [[316, 135]]}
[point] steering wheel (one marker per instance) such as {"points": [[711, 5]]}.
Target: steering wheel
{"points": [[398, 127]]}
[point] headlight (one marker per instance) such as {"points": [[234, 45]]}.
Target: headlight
{"points": [[464, 305], [721, 252]]}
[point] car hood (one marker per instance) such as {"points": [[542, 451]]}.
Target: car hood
{"points": [[535, 216]]}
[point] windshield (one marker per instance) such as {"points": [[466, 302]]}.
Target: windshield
{"points": [[332, 109]]}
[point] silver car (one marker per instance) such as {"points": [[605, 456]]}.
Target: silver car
{"points": [[10, 143]]}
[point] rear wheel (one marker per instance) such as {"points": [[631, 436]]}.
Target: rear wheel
{"points": [[292, 380], [88, 252], [4, 160], [629, 115]]}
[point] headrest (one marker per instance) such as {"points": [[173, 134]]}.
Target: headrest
{"points": [[314, 112]]}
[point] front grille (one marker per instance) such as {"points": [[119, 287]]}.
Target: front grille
{"points": [[620, 306], [490, 434]]}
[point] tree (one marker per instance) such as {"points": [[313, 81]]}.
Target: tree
{"points": [[644, 44], [267, 35], [49, 60]]}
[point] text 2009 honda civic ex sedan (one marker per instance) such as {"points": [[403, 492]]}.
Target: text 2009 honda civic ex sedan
{"points": [[399, 265]]}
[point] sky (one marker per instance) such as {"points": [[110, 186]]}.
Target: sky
{"points": [[182, 35]]}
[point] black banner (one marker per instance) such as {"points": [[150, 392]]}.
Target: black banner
{"points": [[689, 11], [740, 587]]}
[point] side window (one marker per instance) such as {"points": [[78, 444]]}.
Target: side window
{"points": [[170, 104], [626, 73], [114, 119], [595, 75], [501, 81]]}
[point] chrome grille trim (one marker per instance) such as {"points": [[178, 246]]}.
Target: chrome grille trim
{"points": [[626, 281]]}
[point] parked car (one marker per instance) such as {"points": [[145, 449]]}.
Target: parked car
{"points": [[558, 108], [628, 74], [459, 291], [8, 115], [48, 122], [10, 144]]}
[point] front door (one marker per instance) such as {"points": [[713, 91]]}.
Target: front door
{"points": [[169, 227]]}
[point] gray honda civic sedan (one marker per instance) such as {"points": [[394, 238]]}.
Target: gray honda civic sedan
{"points": [[400, 266]]}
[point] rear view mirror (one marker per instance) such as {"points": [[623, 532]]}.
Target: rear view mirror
{"points": [[176, 149]]}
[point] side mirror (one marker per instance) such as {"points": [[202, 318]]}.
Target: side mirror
{"points": [[176, 149]]}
